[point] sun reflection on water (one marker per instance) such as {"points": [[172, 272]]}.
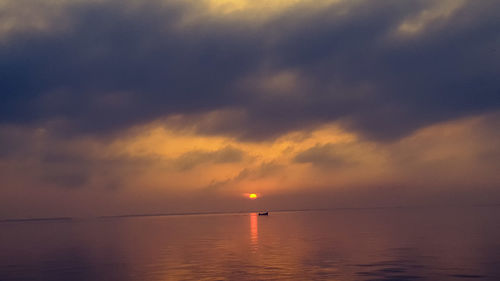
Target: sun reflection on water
{"points": [[254, 231]]}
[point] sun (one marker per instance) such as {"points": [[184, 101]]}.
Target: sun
{"points": [[251, 196]]}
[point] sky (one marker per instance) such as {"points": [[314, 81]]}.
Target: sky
{"points": [[115, 107]]}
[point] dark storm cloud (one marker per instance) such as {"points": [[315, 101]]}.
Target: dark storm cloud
{"points": [[115, 66], [112, 69]]}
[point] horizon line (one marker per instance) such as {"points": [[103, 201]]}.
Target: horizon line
{"points": [[44, 219]]}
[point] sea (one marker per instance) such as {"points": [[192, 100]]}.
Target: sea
{"points": [[419, 243]]}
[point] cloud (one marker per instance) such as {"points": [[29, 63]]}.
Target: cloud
{"points": [[191, 159], [159, 172], [258, 175], [115, 64], [326, 156]]}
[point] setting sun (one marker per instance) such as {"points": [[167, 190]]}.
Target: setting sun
{"points": [[252, 196]]}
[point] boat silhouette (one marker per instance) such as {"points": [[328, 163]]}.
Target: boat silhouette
{"points": [[264, 214]]}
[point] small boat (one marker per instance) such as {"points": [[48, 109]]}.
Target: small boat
{"points": [[264, 214]]}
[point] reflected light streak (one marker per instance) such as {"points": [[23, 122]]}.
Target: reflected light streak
{"points": [[254, 231]]}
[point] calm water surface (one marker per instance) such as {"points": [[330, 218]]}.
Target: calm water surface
{"points": [[370, 244]]}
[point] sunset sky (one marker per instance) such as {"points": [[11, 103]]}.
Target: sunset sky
{"points": [[115, 107]]}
